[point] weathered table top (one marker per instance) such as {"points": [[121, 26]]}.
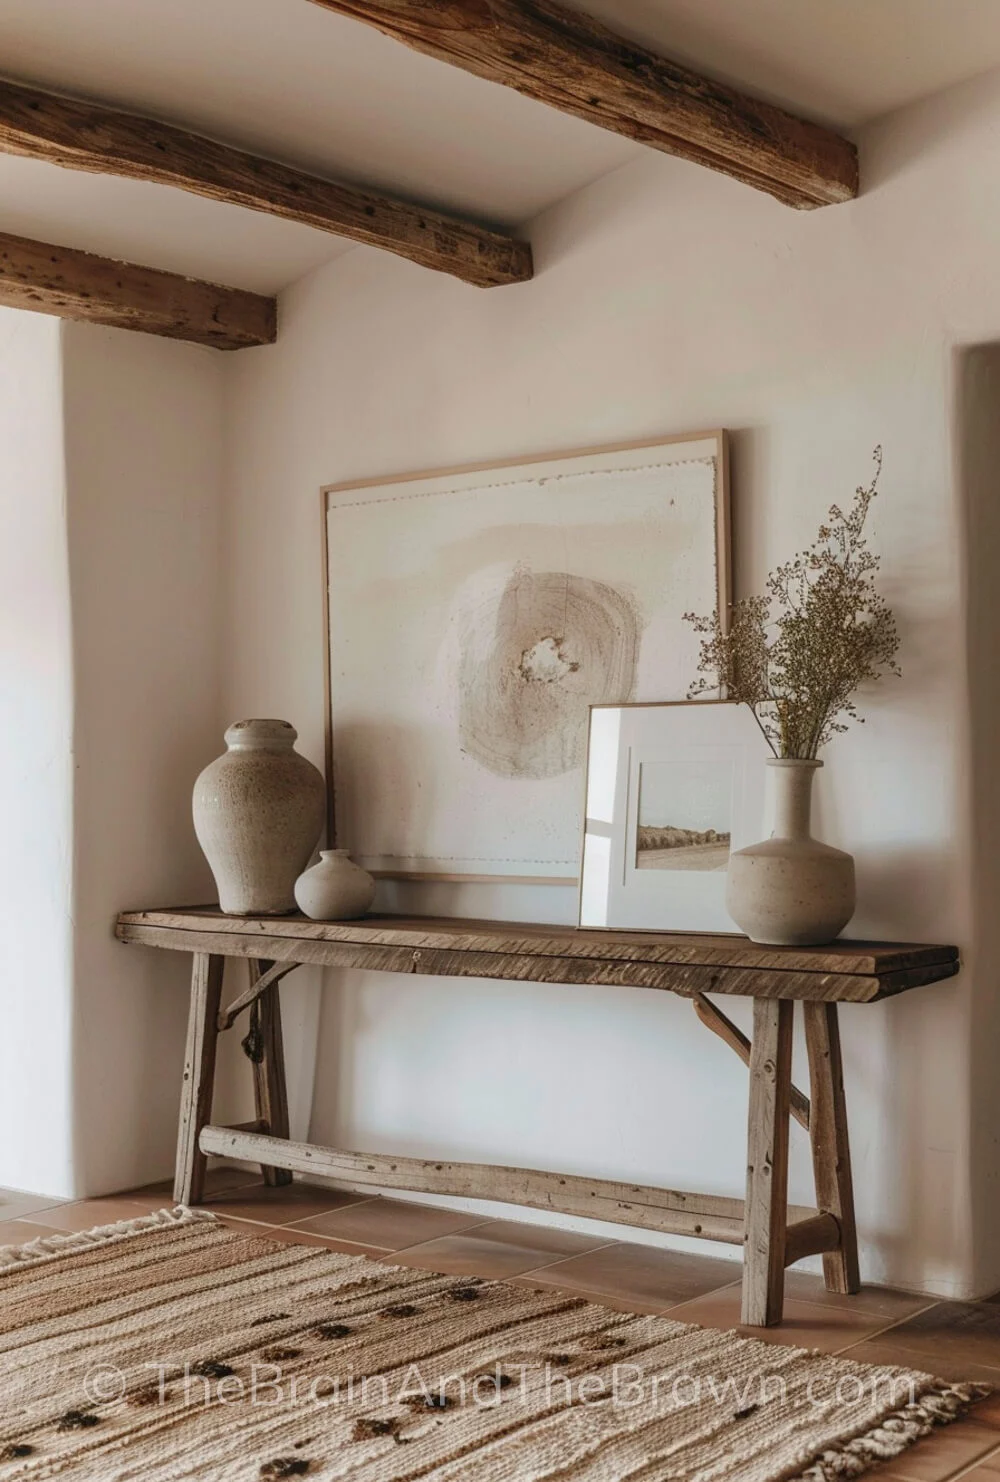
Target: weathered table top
{"points": [[679, 962]]}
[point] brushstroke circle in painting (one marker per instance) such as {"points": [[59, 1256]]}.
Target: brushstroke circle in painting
{"points": [[533, 659]]}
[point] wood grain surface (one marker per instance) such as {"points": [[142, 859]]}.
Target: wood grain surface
{"points": [[574, 63], [681, 963], [80, 285], [88, 136]]}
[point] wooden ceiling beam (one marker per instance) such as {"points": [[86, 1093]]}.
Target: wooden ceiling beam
{"points": [[81, 285], [88, 136], [574, 63]]}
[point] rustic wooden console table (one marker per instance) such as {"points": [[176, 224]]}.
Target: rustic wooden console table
{"points": [[692, 966]]}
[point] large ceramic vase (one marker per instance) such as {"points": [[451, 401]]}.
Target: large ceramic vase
{"points": [[258, 813], [336, 889], [791, 890]]}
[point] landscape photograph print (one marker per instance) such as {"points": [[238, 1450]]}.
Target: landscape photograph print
{"points": [[685, 816]]}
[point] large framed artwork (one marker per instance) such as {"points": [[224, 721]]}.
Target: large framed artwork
{"points": [[671, 790], [474, 616]]}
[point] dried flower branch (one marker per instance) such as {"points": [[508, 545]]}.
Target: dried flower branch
{"points": [[797, 656]]}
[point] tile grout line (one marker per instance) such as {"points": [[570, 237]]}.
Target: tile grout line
{"points": [[896, 1323], [319, 1213], [416, 1244], [229, 1220], [688, 1301], [965, 1469], [559, 1260], [517, 1276], [249, 1219]]}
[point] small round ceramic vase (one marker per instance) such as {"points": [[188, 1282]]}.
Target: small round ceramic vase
{"points": [[335, 889], [258, 813], [791, 890]]}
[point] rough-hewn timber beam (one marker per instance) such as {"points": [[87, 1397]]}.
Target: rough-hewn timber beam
{"points": [[578, 65], [87, 136], [80, 285]]}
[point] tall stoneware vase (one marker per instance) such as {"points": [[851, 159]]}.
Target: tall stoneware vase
{"points": [[258, 812], [791, 890]]}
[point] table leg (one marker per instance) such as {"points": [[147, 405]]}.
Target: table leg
{"points": [[270, 1092], [830, 1145], [199, 1075], [766, 1211]]}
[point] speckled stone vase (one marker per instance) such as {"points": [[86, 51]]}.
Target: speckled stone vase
{"points": [[258, 814], [336, 889], [791, 890]]}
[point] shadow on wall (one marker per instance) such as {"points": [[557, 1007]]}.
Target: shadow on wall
{"points": [[977, 445]]}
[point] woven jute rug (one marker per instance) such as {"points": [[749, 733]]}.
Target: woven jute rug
{"points": [[173, 1347]]}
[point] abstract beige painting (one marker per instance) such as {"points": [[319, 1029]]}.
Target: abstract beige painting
{"points": [[475, 615]]}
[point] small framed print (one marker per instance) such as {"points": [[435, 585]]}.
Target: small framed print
{"points": [[671, 790]]}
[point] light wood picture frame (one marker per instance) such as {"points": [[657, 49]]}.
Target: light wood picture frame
{"points": [[671, 789], [433, 772]]}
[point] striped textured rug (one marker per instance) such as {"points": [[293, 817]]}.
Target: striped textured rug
{"points": [[173, 1348]]}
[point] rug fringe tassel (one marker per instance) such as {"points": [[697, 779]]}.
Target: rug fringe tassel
{"points": [[940, 1404], [47, 1247]]}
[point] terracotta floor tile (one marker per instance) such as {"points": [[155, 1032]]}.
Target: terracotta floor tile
{"points": [[144, 1203], [881, 1301], [640, 1273], [16, 1206], [390, 1223], [960, 1330], [288, 1235], [987, 1411], [887, 1349], [804, 1325], [942, 1454], [86, 1214], [19, 1232], [281, 1206], [499, 1249]]}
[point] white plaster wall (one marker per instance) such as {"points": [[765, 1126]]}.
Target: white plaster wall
{"points": [[36, 710], [143, 421], [668, 299]]}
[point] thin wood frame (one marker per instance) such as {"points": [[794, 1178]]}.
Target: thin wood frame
{"points": [[724, 586]]}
